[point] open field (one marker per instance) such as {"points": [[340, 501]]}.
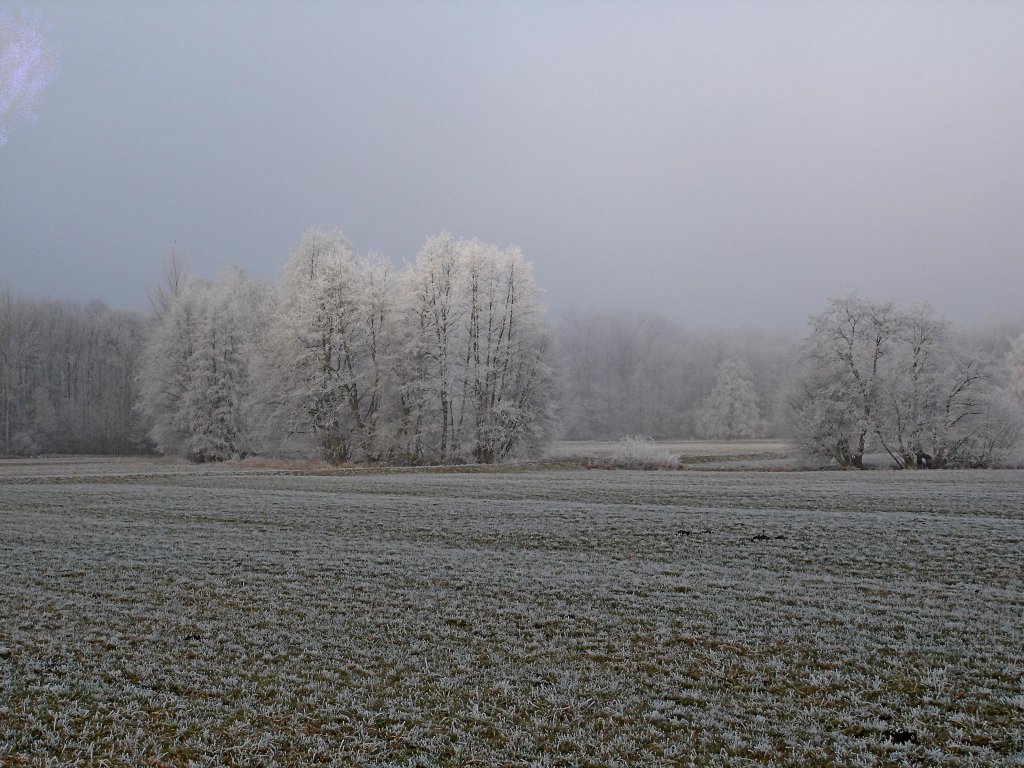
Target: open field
{"points": [[160, 614]]}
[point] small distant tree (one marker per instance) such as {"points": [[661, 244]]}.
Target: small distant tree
{"points": [[175, 276], [731, 410]]}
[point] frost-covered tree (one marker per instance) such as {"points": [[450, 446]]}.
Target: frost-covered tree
{"points": [[507, 381], [165, 377], [432, 318], [330, 349], [730, 411], [175, 275], [196, 378], [932, 395], [231, 325], [477, 381], [875, 377], [837, 404]]}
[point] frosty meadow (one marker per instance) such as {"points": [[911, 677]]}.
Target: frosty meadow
{"points": [[364, 546], [700, 442], [164, 614]]}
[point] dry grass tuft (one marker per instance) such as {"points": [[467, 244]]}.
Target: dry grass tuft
{"points": [[300, 465]]}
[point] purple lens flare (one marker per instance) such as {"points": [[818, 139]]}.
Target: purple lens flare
{"points": [[28, 63]]}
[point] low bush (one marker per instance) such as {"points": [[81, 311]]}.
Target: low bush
{"points": [[639, 452]]}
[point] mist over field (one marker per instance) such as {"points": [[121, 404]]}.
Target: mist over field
{"points": [[520, 384], [721, 164]]}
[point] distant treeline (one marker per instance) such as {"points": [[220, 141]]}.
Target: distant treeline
{"points": [[867, 378], [627, 373], [68, 378], [451, 359]]}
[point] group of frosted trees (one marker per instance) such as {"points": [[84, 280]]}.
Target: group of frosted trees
{"points": [[447, 360], [900, 383]]}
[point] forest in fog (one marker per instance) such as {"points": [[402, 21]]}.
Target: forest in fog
{"points": [[451, 359], [69, 378]]}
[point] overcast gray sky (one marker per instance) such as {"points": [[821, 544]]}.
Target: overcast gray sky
{"points": [[723, 163]]}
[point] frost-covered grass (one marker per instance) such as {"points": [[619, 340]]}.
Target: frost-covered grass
{"points": [[174, 615]]}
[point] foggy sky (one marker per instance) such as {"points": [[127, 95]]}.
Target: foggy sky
{"points": [[722, 163]]}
